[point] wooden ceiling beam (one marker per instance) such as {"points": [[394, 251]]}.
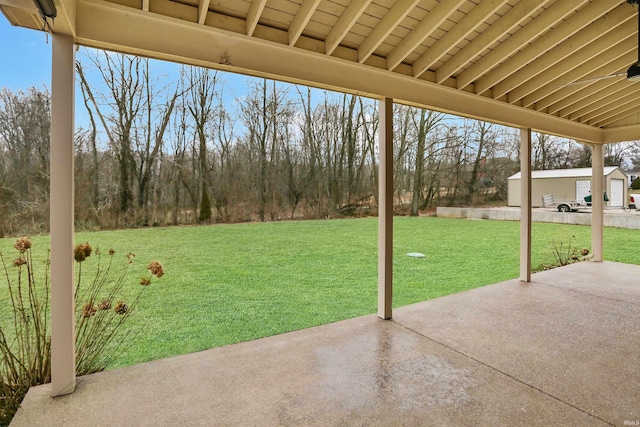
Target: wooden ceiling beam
{"points": [[629, 109], [572, 68], [604, 112], [391, 20], [587, 97], [568, 95], [552, 16], [253, 16], [542, 45], [603, 98], [514, 17], [203, 9], [451, 38], [420, 32], [574, 51], [592, 102], [301, 20], [590, 94], [348, 18], [622, 131]]}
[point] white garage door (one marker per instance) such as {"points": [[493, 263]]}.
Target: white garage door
{"points": [[617, 193], [583, 188]]}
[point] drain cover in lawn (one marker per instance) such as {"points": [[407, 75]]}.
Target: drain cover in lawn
{"points": [[416, 255]]}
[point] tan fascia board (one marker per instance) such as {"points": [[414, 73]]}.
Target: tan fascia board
{"points": [[108, 26]]}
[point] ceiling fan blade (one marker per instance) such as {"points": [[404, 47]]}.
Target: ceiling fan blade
{"points": [[593, 79]]}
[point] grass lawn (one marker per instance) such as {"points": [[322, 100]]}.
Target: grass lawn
{"points": [[231, 283]]}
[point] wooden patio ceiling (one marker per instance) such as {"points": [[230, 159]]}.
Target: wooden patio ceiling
{"points": [[504, 61]]}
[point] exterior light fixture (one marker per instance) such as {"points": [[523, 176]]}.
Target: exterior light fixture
{"points": [[46, 7]]}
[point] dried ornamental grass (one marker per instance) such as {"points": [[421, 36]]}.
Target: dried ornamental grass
{"points": [[25, 359], [156, 269], [82, 252]]}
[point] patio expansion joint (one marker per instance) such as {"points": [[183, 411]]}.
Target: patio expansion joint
{"points": [[508, 375]]}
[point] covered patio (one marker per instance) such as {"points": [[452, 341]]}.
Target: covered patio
{"points": [[566, 68], [560, 350]]}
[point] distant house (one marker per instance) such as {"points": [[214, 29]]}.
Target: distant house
{"points": [[633, 175], [569, 184]]}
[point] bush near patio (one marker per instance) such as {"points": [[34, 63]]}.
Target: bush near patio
{"points": [[103, 304]]}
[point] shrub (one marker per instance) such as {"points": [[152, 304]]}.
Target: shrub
{"points": [[101, 311], [565, 253]]}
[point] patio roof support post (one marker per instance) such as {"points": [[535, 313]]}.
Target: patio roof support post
{"points": [[525, 205], [597, 201], [385, 209], [63, 362]]}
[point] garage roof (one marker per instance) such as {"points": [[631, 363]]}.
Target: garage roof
{"points": [[504, 61], [565, 173]]}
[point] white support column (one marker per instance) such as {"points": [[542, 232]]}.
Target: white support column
{"points": [[525, 205], [63, 362], [597, 201], [385, 209]]}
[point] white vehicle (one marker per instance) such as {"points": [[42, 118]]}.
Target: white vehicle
{"points": [[634, 201]]}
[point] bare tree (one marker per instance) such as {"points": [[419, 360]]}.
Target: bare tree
{"points": [[24, 149], [404, 138], [484, 137], [175, 151], [426, 124], [148, 146], [267, 116], [617, 154], [134, 115], [201, 106], [122, 102]]}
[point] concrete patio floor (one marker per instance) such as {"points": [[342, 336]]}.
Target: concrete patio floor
{"points": [[562, 350]]}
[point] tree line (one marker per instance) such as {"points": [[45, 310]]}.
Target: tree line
{"points": [[161, 150]]}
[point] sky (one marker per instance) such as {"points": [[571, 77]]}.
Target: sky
{"points": [[25, 57]]}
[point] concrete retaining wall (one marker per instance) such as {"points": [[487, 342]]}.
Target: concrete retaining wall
{"points": [[620, 220]]}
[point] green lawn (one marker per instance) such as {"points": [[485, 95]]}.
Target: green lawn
{"points": [[231, 283]]}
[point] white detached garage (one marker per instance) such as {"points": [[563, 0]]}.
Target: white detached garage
{"points": [[569, 184]]}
